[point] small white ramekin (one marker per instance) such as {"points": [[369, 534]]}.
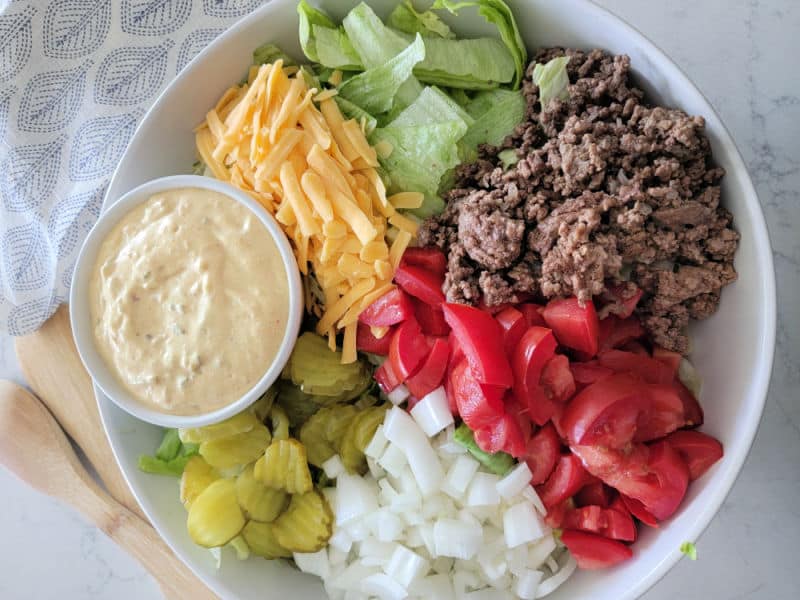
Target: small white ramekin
{"points": [[79, 310]]}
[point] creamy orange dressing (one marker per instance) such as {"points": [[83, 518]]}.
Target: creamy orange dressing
{"points": [[189, 300]]}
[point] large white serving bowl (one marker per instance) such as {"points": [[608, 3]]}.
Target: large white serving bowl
{"points": [[732, 350]]}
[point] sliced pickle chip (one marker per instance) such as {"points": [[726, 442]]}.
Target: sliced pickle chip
{"points": [[258, 501], [236, 450], [323, 431], [339, 423], [307, 524], [280, 423], [263, 405], [261, 540], [240, 546], [357, 436], [284, 466], [215, 517], [297, 405], [240, 423], [319, 371], [197, 476]]}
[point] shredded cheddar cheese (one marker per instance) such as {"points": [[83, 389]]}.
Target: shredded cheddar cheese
{"points": [[292, 150]]}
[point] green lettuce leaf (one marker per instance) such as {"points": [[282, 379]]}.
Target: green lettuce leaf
{"points": [[499, 14], [353, 111], [310, 16], [552, 80], [374, 89], [406, 18], [496, 114], [269, 53], [323, 41]]}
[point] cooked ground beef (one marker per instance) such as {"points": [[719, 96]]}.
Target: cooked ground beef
{"points": [[607, 189]]}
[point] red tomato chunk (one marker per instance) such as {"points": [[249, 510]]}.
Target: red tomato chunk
{"points": [[574, 326], [593, 551], [390, 309], [367, 342], [420, 283], [431, 373], [431, 259]]}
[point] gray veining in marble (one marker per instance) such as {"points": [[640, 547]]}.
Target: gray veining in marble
{"points": [[743, 56]]}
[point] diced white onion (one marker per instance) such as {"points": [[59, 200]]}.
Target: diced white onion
{"points": [[385, 525], [551, 583], [377, 444], [333, 467], [531, 496], [527, 584], [351, 576], [517, 559], [405, 566], [400, 429], [521, 525], [383, 586], [432, 413], [393, 460], [436, 586], [456, 538], [341, 540], [459, 476], [375, 469], [541, 551], [398, 395], [515, 482], [355, 496], [315, 563], [483, 490]]}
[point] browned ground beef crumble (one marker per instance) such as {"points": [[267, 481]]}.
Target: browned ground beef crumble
{"points": [[607, 188]]}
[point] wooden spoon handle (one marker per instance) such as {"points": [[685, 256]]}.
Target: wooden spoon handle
{"points": [[55, 373]]}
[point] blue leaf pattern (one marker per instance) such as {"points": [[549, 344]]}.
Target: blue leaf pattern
{"points": [[75, 79], [51, 100], [72, 218], [28, 175], [15, 42], [26, 255], [194, 42], [74, 28], [99, 144], [130, 75], [154, 17], [229, 8]]}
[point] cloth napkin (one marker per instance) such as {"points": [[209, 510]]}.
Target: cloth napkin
{"points": [[76, 76]]}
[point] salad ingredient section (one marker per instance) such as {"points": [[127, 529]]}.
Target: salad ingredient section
{"points": [[179, 301], [608, 196]]}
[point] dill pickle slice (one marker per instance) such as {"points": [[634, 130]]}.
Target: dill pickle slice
{"points": [[297, 405], [236, 450], [261, 540], [215, 517], [357, 436], [240, 546], [197, 476], [339, 422], [280, 423], [258, 501], [322, 432], [307, 524], [284, 466], [241, 423], [319, 371], [263, 405]]}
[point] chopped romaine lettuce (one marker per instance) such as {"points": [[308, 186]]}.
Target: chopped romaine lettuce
{"points": [[323, 41], [374, 89], [269, 53], [499, 14], [170, 445], [499, 462], [496, 114], [508, 157], [689, 549], [406, 18], [353, 111], [432, 106], [552, 80]]}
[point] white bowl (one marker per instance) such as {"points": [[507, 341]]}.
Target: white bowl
{"points": [[732, 350], [83, 331]]}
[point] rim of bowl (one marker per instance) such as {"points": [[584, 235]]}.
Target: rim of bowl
{"points": [[80, 320]]}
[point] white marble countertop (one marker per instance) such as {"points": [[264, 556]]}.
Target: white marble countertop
{"points": [[743, 56]]}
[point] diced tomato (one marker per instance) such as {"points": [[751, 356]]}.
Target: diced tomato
{"points": [[614, 332], [431, 373], [533, 314], [555, 514], [663, 415], [672, 476], [503, 435], [493, 309], [623, 302], [480, 337], [408, 349], [608, 522], [557, 380], [430, 318], [477, 409], [594, 493], [574, 326], [586, 518], [420, 283], [606, 412], [367, 342], [648, 369], [592, 551], [635, 347], [386, 377], [698, 450], [638, 510], [669, 358], [429, 258], [542, 454], [520, 414], [567, 478], [586, 373], [514, 326], [692, 411], [534, 349], [391, 308]]}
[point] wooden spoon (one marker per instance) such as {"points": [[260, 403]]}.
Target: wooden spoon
{"points": [[35, 448]]}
